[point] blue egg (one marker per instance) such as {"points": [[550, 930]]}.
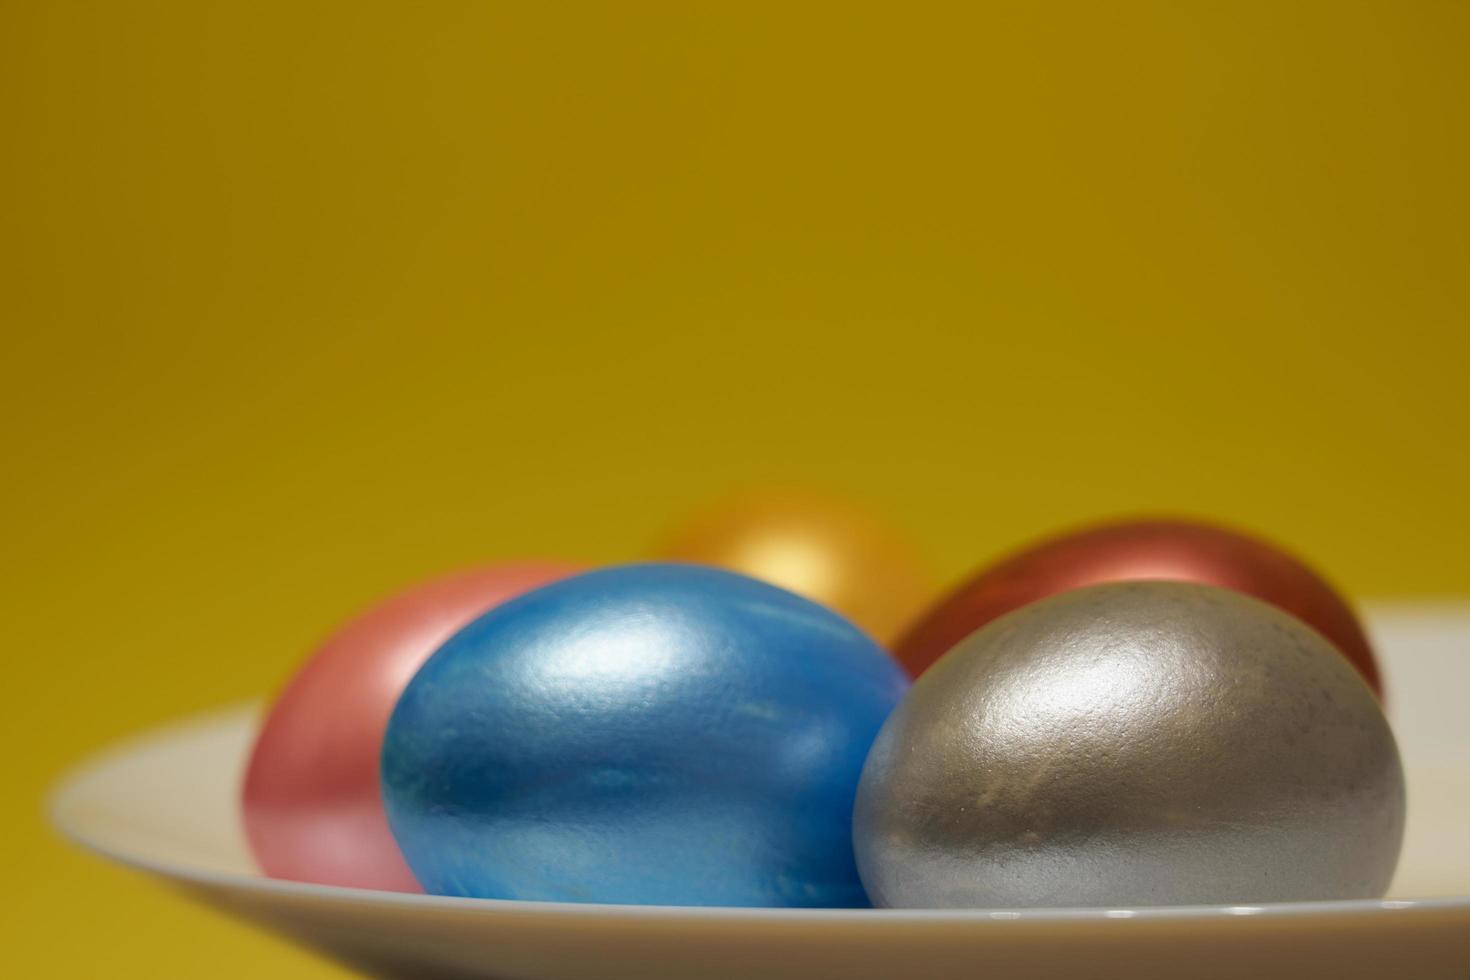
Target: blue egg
{"points": [[648, 734]]}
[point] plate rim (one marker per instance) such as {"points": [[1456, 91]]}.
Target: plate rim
{"points": [[61, 803]]}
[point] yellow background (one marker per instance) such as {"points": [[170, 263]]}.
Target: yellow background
{"points": [[301, 302]]}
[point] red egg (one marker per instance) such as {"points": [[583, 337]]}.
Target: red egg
{"points": [[1156, 549], [313, 807]]}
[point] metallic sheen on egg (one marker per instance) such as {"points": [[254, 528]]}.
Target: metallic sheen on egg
{"points": [[825, 548], [1133, 744], [312, 807], [648, 734], [1139, 550]]}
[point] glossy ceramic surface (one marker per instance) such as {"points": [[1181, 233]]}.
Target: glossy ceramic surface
{"points": [[166, 804]]}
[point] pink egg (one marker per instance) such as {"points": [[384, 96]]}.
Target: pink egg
{"points": [[313, 807]]}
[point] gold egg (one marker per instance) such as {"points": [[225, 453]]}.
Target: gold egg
{"points": [[825, 548]]}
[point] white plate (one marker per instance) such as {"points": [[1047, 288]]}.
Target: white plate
{"points": [[166, 804]]}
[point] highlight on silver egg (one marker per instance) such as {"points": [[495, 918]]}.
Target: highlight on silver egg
{"points": [[1146, 743]]}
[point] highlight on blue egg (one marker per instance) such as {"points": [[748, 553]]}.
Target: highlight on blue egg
{"points": [[658, 734]]}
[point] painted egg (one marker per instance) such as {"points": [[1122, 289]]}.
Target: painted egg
{"points": [[1133, 744], [826, 549], [312, 804], [1140, 550], [647, 734]]}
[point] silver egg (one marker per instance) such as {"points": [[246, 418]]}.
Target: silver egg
{"points": [[1143, 743]]}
